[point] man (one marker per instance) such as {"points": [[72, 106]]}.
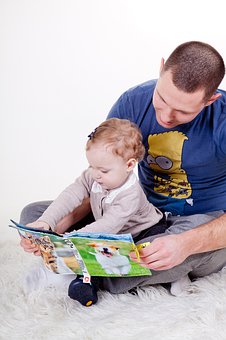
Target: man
{"points": [[182, 117]]}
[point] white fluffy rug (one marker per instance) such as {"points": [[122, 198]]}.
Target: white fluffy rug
{"points": [[199, 313]]}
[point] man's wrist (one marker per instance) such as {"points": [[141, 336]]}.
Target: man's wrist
{"points": [[193, 241], [188, 241]]}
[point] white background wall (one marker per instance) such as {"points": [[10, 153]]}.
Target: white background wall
{"points": [[63, 63]]}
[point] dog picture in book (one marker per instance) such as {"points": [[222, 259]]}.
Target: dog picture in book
{"points": [[110, 259]]}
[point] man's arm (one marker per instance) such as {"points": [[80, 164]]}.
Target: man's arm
{"points": [[169, 251], [208, 236]]}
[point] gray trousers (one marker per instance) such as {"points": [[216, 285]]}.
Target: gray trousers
{"points": [[197, 265]]}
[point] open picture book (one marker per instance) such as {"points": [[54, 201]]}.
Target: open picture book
{"points": [[87, 254]]}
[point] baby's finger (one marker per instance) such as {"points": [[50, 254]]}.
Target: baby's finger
{"points": [[37, 252]]}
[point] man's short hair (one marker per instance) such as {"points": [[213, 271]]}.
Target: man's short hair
{"points": [[195, 66]]}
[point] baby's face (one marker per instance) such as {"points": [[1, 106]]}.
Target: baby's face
{"points": [[109, 170]]}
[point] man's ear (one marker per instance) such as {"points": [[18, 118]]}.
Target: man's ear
{"points": [[161, 65], [213, 99], [131, 163]]}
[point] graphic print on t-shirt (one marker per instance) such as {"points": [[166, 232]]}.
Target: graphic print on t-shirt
{"points": [[165, 158]]}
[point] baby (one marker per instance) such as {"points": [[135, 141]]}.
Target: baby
{"points": [[117, 200]]}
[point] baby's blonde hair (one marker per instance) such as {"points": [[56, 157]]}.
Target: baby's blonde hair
{"points": [[122, 136]]}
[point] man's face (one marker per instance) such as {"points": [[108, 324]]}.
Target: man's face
{"points": [[174, 107]]}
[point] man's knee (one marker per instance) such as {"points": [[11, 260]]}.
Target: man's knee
{"points": [[212, 262], [33, 211], [179, 224]]}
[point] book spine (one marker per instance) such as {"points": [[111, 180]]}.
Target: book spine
{"points": [[86, 275]]}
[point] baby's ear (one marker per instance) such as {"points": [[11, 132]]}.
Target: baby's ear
{"points": [[131, 163]]}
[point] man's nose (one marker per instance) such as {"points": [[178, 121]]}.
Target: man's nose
{"points": [[168, 114]]}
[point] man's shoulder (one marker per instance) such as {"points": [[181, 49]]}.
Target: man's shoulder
{"points": [[133, 103], [223, 95], [223, 92], [219, 106], [143, 88]]}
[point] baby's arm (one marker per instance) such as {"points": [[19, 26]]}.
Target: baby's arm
{"points": [[60, 213], [75, 216], [64, 205], [115, 215]]}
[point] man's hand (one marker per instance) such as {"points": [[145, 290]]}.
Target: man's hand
{"points": [[26, 244], [162, 253]]}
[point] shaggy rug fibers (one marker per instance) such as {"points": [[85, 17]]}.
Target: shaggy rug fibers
{"points": [[47, 313]]}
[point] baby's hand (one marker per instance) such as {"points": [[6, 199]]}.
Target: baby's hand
{"points": [[27, 244], [29, 247], [39, 225]]}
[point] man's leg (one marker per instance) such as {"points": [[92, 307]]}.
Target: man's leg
{"points": [[33, 211], [197, 265], [178, 224], [157, 229]]}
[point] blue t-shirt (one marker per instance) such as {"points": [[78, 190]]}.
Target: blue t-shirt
{"points": [[184, 168]]}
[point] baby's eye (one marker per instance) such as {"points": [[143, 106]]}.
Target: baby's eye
{"points": [[104, 171]]}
